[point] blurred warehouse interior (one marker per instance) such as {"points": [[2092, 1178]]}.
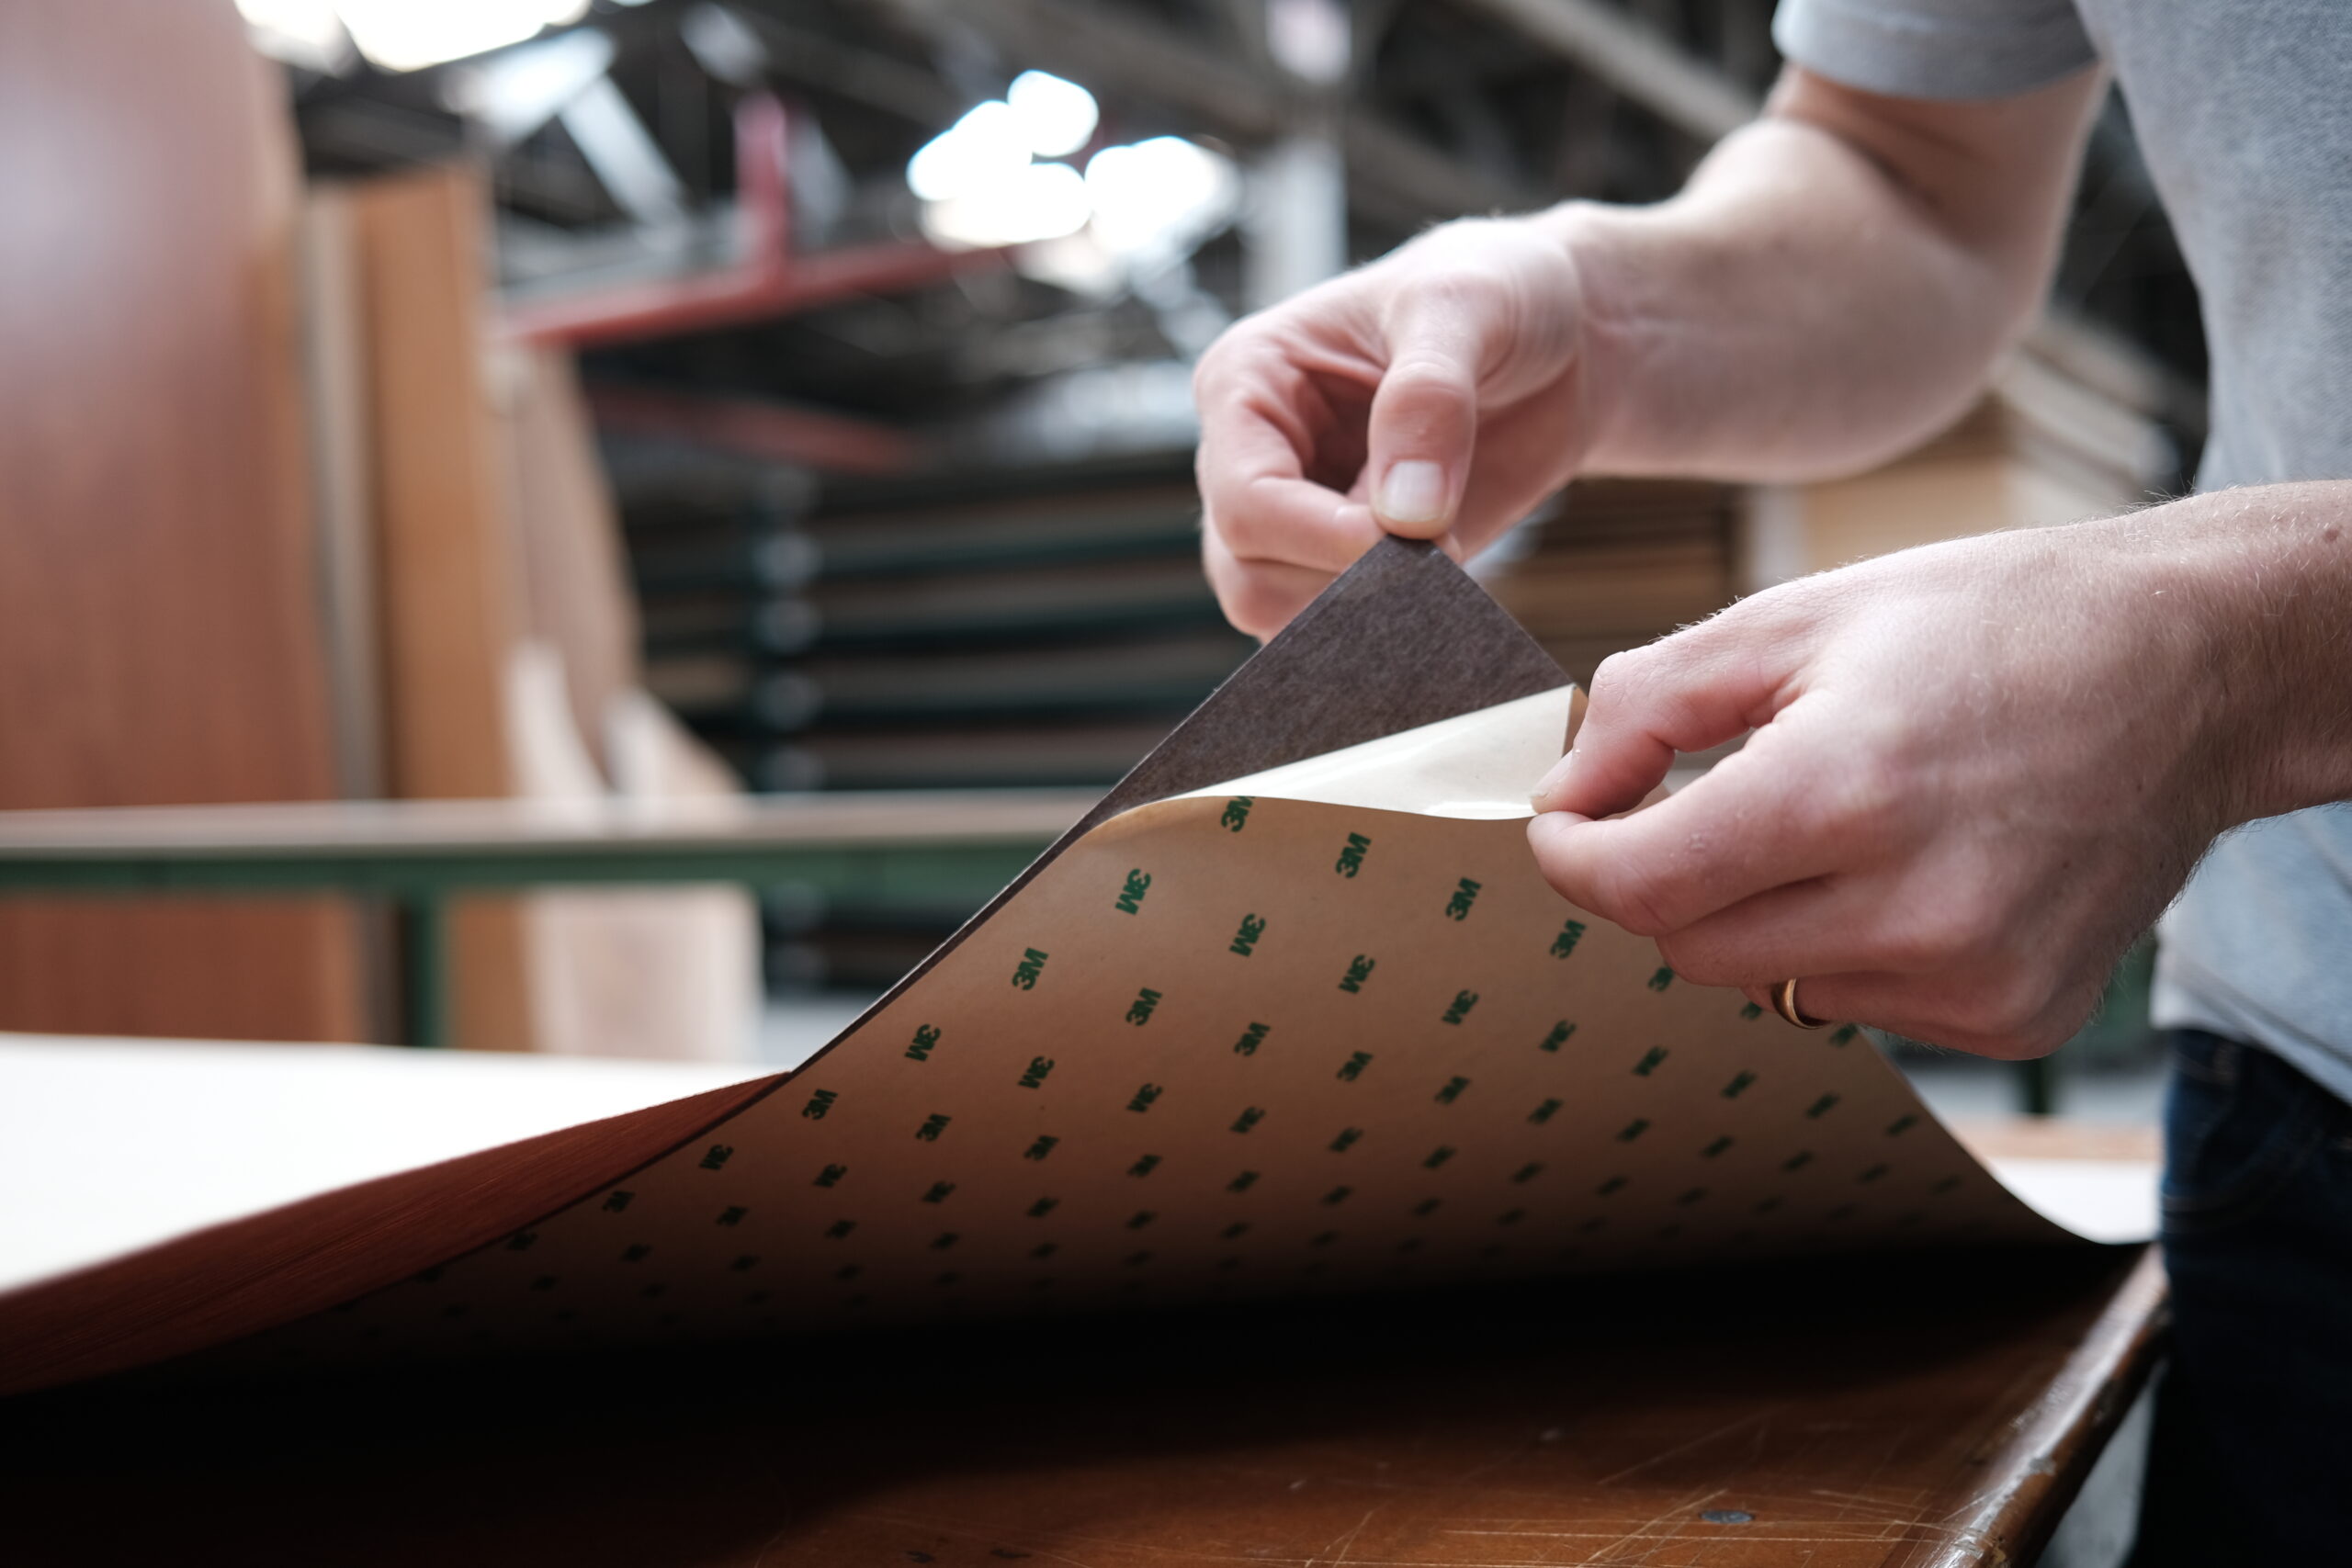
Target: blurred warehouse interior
{"points": [[793, 395]]}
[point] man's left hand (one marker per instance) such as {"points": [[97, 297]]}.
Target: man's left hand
{"points": [[1977, 772]]}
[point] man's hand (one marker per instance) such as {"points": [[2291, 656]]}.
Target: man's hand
{"points": [[1353, 409], [1827, 291], [1978, 770]]}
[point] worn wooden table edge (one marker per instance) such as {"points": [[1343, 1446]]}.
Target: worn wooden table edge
{"points": [[2040, 1460]]}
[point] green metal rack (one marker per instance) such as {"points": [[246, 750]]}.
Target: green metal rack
{"points": [[926, 848]]}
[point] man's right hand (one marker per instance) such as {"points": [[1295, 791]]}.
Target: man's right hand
{"points": [[1353, 410]]}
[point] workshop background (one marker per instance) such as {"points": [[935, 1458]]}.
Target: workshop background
{"points": [[572, 401]]}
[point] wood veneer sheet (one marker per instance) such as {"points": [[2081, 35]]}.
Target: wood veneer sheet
{"points": [[1319, 1025]]}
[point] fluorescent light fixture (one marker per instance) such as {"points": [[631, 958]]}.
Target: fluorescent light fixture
{"points": [[1054, 117], [406, 35]]}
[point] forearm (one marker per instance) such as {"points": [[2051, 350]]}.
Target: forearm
{"points": [[1832, 287], [2262, 577]]}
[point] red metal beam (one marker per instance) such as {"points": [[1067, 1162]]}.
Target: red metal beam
{"points": [[767, 281]]}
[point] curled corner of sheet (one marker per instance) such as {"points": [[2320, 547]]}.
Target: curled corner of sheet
{"points": [[1477, 765], [2099, 1182]]}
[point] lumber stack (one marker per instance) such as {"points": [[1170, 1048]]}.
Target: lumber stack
{"points": [[1611, 564], [926, 633], [509, 646]]}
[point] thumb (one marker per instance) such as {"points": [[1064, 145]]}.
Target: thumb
{"points": [[1424, 419], [1696, 689]]}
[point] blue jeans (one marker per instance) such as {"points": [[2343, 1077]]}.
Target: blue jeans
{"points": [[2250, 1459]]}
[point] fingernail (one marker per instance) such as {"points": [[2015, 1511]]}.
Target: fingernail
{"points": [[1553, 777], [1412, 492]]}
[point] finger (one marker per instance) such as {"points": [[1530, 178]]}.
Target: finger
{"points": [[1518, 466], [1753, 823], [1859, 957], [1259, 597], [1424, 420], [1827, 926], [1950, 1010], [1258, 502], [1684, 693]]}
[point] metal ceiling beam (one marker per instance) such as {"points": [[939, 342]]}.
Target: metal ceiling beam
{"points": [[1636, 60], [868, 75]]}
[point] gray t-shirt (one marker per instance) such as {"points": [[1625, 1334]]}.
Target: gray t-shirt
{"points": [[2244, 113]]}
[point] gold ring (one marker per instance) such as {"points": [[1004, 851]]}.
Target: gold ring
{"points": [[1784, 1002]]}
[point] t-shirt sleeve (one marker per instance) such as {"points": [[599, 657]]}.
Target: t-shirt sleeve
{"points": [[1935, 49]]}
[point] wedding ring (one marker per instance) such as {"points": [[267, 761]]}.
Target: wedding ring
{"points": [[1784, 1002]]}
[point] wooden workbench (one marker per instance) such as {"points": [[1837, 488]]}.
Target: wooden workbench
{"points": [[1882, 1413]]}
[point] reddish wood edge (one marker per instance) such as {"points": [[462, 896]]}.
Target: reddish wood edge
{"points": [[220, 1283]]}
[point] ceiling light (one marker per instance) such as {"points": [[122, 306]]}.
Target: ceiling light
{"points": [[1160, 198], [301, 32], [405, 35], [1054, 117], [983, 149], [1036, 201]]}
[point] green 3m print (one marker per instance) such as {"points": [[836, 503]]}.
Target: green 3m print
{"points": [[918, 1048], [1130, 899], [1032, 963], [1561, 1033], [1352, 1068], [1359, 970], [1246, 938], [1035, 1075], [1352, 854], [1251, 1038], [1566, 943], [1139, 1010], [1465, 893], [1237, 813], [1459, 1008]]}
